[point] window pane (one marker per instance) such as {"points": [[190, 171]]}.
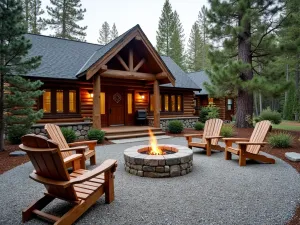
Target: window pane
{"points": [[102, 103], [129, 103], [229, 101], [166, 103], [179, 108], [59, 101], [173, 103], [47, 101], [229, 107], [151, 102], [72, 101], [210, 101]]}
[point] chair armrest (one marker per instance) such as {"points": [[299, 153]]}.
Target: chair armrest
{"points": [[105, 166], [48, 181], [91, 144], [213, 137], [72, 158], [193, 135], [236, 139], [251, 143], [80, 149]]}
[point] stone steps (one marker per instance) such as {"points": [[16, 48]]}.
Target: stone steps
{"points": [[132, 134]]}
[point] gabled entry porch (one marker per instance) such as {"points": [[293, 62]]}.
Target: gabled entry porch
{"points": [[123, 78]]}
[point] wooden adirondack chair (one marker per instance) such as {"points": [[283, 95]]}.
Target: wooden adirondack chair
{"points": [[210, 136], [82, 187], [249, 148], [88, 152]]}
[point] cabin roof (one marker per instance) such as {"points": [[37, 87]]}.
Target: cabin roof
{"points": [[66, 59], [199, 78]]}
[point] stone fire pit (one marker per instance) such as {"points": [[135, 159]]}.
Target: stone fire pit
{"points": [[177, 161]]}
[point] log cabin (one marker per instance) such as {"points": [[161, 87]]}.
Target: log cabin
{"points": [[226, 106], [110, 83]]}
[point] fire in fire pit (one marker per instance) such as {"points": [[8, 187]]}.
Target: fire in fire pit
{"points": [[154, 149]]}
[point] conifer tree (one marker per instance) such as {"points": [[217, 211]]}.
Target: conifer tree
{"points": [[202, 22], [176, 51], [14, 48], [65, 16], [26, 13], [114, 32], [194, 50], [104, 34], [246, 30], [36, 23], [165, 30]]}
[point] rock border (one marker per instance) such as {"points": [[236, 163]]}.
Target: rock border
{"points": [[158, 166]]}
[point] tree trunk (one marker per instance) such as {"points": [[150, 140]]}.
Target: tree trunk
{"points": [[1, 104], [64, 30], [255, 104], [297, 80], [245, 99], [27, 15], [260, 103]]}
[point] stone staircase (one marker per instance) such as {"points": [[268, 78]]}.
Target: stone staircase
{"points": [[126, 133]]}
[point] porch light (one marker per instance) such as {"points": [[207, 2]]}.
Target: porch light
{"points": [[91, 93], [142, 95]]}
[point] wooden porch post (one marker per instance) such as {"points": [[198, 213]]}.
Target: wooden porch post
{"points": [[156, 110], [96, 102]]}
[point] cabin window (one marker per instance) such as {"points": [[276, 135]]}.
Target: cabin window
{"points": [[47, 101], [72, 101], [102, 103], [210, 101], [168, 103], [229, 104], [129, 103], [59, 101]]}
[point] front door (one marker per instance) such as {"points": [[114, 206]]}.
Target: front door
{"points": [[116, 103]]}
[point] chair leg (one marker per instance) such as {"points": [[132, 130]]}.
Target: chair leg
{"points": [[109, 186], [39, 204], [82, 163], [93, 160], [228, 155], [242, 160], [208, 147]]}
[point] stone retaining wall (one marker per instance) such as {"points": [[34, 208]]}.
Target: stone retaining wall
{"points": [[188, 122], [81, 129]]}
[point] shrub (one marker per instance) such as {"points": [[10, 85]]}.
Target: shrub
{"points": [[280, 140], [268, 114], [175, 127], [199, 126], [208, 112], [96, 134], [227, 130], [69, 134], [15, 132]]}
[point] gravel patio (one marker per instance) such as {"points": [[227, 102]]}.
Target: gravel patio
{"points": [[215, 192]]}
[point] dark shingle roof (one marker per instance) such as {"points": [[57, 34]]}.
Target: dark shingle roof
{"points": [[199, 78], [182, 80], [66, 59]]}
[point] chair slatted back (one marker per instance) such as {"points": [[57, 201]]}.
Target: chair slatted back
{"points": [[212, 128], [258, 135], [48, 163], [56, 135]]}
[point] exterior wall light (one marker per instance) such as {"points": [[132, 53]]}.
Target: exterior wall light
{"points": [[91, 93], [142, 95]]}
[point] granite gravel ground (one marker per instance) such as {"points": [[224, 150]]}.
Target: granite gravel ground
{"points": [[215, 192]]}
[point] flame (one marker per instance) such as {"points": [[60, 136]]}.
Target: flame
{"points": [[153, 143]]}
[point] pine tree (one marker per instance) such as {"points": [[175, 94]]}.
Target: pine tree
{"points": [[65, 16], [202, 22], [26, 13], [114, 32], [194, 50], [246, 30], [36, 23], [104, 34], [176, 51], [14, 48], [165, 30]]}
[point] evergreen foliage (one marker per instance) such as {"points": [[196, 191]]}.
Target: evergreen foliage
{"points": [[227, 130], [65, 16], [199, 126], [104, 34], [194, 50], [209, 112], [114, 32], [175, 127], [280, 140], [69, 134], [268, 114], [165, 30], [13, 61], [96, 134], [248, 42], [36, 23], [176, 51]]}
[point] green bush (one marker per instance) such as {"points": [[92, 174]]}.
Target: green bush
{"points": [[175, 127], [199, 126], [208, 112], [69, 134], [280, 140], [95, 134], [15, 132], [227, 130], [273, 116]]}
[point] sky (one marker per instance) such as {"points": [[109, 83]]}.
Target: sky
{"points": [[127, 13]]}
